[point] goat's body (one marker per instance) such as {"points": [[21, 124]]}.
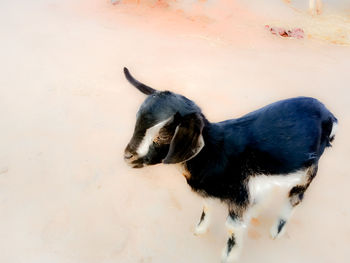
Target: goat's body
{"points": [[279, 144], [279, 139]]}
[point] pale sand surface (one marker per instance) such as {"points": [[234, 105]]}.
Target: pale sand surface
{"points": [[66, 114]]}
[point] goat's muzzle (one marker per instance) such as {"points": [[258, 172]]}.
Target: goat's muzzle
{"points": [[131, 159]]}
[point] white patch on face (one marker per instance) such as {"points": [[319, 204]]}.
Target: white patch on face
{"points": [[261, 185], [147, 140]]}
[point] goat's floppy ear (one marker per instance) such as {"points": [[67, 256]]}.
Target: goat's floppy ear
{"points": [[187, 140], [140, 86]]}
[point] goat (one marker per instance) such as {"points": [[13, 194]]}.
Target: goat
{"points": [[232, 160]]}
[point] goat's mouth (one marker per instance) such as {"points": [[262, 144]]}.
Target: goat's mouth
{"points": [[139, 165], [134, 163]]}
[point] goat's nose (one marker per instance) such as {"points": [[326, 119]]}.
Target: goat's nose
{"points": [[128, 155]]}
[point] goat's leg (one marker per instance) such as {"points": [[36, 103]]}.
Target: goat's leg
{"points": [[312, 6], [296, 195], [236, 224], [258, 204], [204, 221], [315, 7], [319, 6]]}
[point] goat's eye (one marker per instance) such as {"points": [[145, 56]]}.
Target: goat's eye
{"points": [[156, 141]]}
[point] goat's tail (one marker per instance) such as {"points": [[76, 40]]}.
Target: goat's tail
{"points": [[330, 129], [140, 86], [334, 129]]}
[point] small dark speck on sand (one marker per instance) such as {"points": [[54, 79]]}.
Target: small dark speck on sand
{"points": [[4, 170]]}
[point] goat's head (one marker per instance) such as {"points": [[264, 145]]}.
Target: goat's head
{"points": [[168, 128]]}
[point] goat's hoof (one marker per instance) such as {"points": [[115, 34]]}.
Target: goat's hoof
{"points": [[312, 12], [315, 12], [273, 233], [199, 231], [278, 229], [232, 257]]}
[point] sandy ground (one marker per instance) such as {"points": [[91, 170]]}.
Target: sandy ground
{"points": [[67, 113]]}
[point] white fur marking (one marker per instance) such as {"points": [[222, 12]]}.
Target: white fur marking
{"points": [[261, 185], [149, 136]]}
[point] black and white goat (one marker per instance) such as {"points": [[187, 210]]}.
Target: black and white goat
{"points": [[233, 160]]}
